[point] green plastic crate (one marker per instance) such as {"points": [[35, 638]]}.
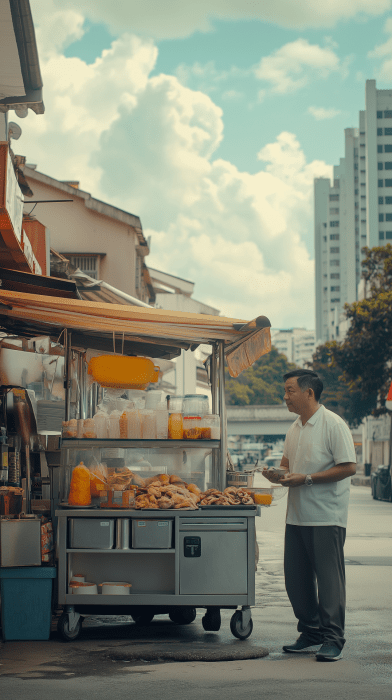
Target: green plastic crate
{"points": [[26, 602]]}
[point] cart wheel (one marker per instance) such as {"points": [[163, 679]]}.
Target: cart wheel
{"points": [[236, 626], [212, 620], [63, 628], [182, 616], [143, 618]]}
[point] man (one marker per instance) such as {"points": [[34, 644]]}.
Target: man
{"points": [[319, 457]]}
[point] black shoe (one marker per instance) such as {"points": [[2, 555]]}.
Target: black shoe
{"points": [[302, 644], [329, 652]]}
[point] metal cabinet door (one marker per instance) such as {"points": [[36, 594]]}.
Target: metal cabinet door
{"points": [[222, 567]]}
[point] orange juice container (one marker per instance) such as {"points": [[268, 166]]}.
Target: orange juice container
{"points": [[175, 427]]}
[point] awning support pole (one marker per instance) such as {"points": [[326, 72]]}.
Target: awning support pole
{"points": [[68, 368], [223, 421]]}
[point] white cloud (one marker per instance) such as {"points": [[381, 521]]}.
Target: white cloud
{"points": [[293, 65], [171, 18], [321, 113], [147, 144], [384, 53]]}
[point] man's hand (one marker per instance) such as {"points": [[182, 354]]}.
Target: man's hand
{"points": [[292, 480]]}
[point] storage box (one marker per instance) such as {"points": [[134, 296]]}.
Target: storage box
{"points": [[26, 602], [20, 542], [91, 533], [152, 534]]}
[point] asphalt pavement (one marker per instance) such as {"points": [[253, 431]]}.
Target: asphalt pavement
{"points": [[101, 663]]}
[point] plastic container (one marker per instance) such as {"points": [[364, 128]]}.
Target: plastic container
{"points": [[123, 425], [83, 588], [149, 426], [114, 425], [211, 427], [162, 420], [134, 425], [101, 424], [154, 397], [191, 428], [175, 426], [195, 405], [79, 428], [26, 602], [116, 588], [175, 404], [89, 428], [70, 428]]}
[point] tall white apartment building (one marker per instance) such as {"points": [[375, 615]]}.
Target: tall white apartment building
{"points": [[353, 211], [298, 344]]}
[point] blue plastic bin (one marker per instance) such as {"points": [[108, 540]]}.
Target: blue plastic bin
{"points": [[26, 602]]}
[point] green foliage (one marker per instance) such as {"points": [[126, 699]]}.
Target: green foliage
{"points": [[262, 383], [363, 360]]}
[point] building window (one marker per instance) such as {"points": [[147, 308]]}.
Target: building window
{"points": [[388, 234], [89, 264], [381, 200], [379, 149], [387, 131], [334, 223], [380, 166], [379, 132], [334, 250], [381, 217], [381, 235], [333, 197], [388, 148], [335, 276], [388, 165], [388, 183], [334, 263], [379, 115], [335, 301], [335, 289], [388, 114], [381, 183], [388, 217], [334, 237], [334, 210], [388, 200]]}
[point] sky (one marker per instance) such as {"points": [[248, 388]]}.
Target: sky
{"points": [[209, 121]]}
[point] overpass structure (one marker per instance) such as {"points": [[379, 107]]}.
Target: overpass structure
{"points": [[259, 420]]}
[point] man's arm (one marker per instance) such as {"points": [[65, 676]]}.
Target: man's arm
{"points": [[336, 473]]}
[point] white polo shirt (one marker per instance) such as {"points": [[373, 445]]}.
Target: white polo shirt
{"points": [[323, 442]]}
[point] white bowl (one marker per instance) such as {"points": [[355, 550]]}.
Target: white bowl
{"points": [[86, 588], [116, 588]]}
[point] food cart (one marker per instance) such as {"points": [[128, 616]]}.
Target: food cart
{"points": [[173, 560]]}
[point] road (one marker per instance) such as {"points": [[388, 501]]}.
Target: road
{"points": [[97, 665]]}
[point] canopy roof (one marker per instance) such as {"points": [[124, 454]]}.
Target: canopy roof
{"points": [[133, 329]]}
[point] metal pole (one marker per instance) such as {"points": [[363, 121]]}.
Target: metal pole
{"points": [[223, 421], [214, 379], [67, 370]]}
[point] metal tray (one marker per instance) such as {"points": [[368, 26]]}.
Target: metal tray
{"points": [[239, 507], [67, 505]]}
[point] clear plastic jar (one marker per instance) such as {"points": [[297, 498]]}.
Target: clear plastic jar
{"points": [[89, 428], [70, 428], [175, 426], [101, 424], [149, 426], [114, 425], [162, 418], [191, 427], [175, 404], [211, 427], [195, 405]]}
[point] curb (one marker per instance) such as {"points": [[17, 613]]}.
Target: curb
{"points": [[161, 653]]}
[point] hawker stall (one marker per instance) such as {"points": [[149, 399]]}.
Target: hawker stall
{"points": [[146, 521]]}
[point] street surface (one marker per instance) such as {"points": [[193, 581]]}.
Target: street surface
{"points": [[98, 664]]}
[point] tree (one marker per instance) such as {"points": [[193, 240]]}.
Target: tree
{"points": [[364, 358], [262, 383], [337, 396]]}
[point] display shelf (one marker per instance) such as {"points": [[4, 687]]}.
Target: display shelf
{"points": [[120, 551], [78, 444]]}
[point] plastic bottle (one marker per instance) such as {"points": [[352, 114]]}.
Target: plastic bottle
{"points": [[149, 426], [134, 424], [123, 425], [162, 418], [101, 424], [114, 425]]}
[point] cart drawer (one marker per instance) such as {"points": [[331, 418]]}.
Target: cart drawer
{"points": [[91, 533], [216, 565], [152, 534]]}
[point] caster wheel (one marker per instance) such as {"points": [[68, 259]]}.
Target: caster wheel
{"points": [[236, 626], [63, 628], [182, 616], [143, 618], [212, 620]]}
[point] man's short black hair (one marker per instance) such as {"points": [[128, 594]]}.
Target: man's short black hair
{"points": [[307, 379]]}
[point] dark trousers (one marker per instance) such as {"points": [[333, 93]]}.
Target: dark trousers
{"points": [[315, 580]]}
